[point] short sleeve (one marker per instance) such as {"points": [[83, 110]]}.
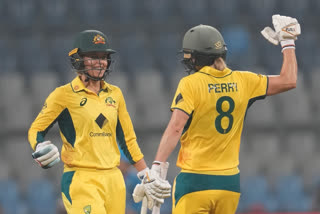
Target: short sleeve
{"points": [[256, 84], [183, 98]]}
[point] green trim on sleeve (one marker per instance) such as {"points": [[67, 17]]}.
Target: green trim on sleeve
{"points": [[65, 184], [122, 142], [42, 134], [181, 110], [66, 126], [191, 182], [186, 127]]}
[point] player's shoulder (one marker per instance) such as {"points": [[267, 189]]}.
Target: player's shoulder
{"points": [[244, 73]]}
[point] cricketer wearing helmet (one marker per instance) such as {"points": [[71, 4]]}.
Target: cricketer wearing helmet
{"points": [[92, 119], [208, 112]]}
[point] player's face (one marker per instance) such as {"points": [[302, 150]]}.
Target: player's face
{"points": [[96, 63]]}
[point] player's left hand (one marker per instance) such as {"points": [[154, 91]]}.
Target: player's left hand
{"points": [[285, 28]]}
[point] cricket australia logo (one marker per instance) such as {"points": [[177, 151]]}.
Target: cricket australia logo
{"points": [[87, 209], [98, 39], [218, 45], [110, 102]]}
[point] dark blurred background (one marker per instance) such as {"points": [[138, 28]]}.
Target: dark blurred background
{"points": [[279, 160]]}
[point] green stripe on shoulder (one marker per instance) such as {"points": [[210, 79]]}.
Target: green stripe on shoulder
{"points": [[122, 142], [65, 184], [191, 182]]}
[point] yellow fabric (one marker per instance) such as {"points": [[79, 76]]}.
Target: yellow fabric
{"points": [[217, 102], [207, 202], [103, 190], [93, 147]]}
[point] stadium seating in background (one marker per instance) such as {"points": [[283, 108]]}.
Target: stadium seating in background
{"points": [[296, 105], [88, 12], [223, 12], [59, 60], [237, 39], [302, 145], [263, 113], [314, 93], [21, 13], [265, 145], [41, 197], [123, 11], [25, 169], [159, 12], [308, 50], [42, 84], [8, 56], [152, 99], [33, 54], [259, 11], [255, 195], [134, 54], [15, 102], [296, 8], [289, 192], [194, 13], [165, 48], [10, 197], [55, 14]]}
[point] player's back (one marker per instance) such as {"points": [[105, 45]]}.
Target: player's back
{"points": [[217, 102]]}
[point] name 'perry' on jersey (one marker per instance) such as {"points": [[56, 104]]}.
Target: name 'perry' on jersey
{"points": [[216, 102]]}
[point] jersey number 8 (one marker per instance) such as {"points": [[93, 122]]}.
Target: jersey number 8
{"points": [[223, 114]]}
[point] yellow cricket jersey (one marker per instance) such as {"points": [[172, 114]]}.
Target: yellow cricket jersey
{"points": [[90, 125], [216, 102]]}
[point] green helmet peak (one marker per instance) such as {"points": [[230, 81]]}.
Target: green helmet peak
{"points": [[204, 39], [91, 41]]}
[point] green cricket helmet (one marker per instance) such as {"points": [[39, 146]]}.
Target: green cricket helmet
{"points": [[204, 44], [90, 42]]}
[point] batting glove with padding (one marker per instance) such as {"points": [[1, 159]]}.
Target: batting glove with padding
{"points": [[46, 154], [286, 30]]}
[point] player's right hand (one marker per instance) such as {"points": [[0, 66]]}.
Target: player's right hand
{"points": [[152, 186], [46, 154], [285, 28]]}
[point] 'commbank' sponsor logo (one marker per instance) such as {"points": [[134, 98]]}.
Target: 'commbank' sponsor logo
{"points": [[100, 134]]}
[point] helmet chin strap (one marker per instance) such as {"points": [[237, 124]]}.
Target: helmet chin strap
{"points": [[89, 77]]}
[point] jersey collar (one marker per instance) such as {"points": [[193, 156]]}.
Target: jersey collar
{"points": [[214, 72], [77, 85]]}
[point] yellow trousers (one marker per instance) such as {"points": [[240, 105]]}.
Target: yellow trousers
{"points": [[205, 194], [93, 191]]}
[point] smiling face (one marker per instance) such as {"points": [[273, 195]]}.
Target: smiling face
{"points": [[95, 63]]}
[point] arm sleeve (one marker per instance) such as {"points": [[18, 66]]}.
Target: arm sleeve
{"points": [[183, 99], [256, 84], [126, 136], [45, 120]]}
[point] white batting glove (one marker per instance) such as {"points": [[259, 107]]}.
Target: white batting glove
{"points": [[46, 154], [152, 187], [286, 30]]}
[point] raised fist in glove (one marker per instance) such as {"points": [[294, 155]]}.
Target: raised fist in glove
{"points": [[152, 186], [46, 154], [285, 28]]}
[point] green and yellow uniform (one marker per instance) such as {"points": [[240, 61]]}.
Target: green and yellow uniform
{"points": [[90, 125], [216, 102]]}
